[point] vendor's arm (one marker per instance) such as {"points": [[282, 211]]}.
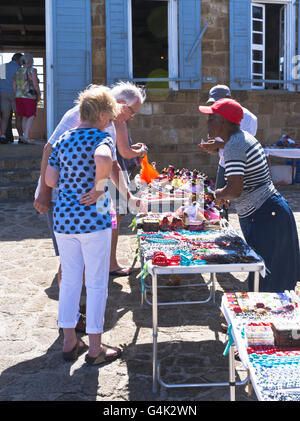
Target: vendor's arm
{"points": [[235, 163], [42, 201], [123, 146], [232, 190]]}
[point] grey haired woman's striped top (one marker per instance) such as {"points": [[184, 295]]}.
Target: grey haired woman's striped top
{"points": [[245, 156]]}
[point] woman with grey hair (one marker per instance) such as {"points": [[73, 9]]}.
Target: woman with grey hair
{"points": [[27, 93]]}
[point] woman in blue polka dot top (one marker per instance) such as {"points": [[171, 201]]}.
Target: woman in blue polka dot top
{"points": [[80, 161]]}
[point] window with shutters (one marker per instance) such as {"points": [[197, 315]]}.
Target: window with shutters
{"points": [[155, 42], [270, 43], [154, 36], [150, 41], [263, 44]]}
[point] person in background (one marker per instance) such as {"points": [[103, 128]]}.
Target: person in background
{"points": [[27, 93], [81, 162], [7, 100], [266, 220], [248, 123]]}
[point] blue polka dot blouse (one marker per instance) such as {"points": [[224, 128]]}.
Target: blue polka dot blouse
{"points": [[73, 157]]}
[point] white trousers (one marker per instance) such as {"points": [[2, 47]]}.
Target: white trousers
{"points": [[91, 253]]}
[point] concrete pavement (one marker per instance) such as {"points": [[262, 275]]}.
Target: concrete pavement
{"points": [[191, 343]]}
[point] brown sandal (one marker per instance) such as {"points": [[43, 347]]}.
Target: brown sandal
{"points": [[102, 357], [224, 327], [75, 352]]}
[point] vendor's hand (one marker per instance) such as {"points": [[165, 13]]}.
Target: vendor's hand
{"points": [[222, 202], [212, 146], [42, 203], [91, 197]]}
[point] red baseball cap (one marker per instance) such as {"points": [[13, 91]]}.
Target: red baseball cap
{"points": [[227, 108]]}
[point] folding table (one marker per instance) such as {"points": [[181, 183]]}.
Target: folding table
{"points": [[240, 342], [154, 271], [289, 153]]}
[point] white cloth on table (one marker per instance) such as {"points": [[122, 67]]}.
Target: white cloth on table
{"points": [[293, 153]]}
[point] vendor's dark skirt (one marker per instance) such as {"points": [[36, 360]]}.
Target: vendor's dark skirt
{"points": [[271, 231], [220, 183], [220, 178]]}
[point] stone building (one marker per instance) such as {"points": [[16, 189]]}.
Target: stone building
{"points": [[226, 40], [178, 49]]}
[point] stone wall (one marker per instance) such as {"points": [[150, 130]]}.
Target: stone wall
{"points": [[98, 42], [170, 123]]}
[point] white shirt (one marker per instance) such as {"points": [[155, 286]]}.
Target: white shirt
{"points": [[249, 124], [70, 120]]}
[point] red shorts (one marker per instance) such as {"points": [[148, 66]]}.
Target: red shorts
{"points": [[26, 107]]}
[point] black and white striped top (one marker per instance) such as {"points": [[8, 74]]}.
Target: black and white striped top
{"points": [[245, 156]]}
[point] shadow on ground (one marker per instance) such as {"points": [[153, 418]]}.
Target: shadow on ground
{"points": [[49, 378]]}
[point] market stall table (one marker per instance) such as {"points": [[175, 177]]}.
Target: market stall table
{"points": [[289, 153], [180, 231], [254, 264], [259, 328]]}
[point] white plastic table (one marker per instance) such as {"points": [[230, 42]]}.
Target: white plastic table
{"points": [[241, 345], [291, 153]]}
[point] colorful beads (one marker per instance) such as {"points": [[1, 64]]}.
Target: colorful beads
{"points": [[275, 369]]}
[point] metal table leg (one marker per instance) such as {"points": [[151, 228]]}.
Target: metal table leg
{"points": [[232, 373], [256, 281], [293, 171], [155, 364], [213, 278], [143, 289], [155, 331]]}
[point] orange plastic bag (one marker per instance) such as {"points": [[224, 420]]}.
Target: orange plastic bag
{"points": [[148, 173]]}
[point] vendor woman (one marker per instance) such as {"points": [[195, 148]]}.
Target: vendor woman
{"points": [[266, 219]]}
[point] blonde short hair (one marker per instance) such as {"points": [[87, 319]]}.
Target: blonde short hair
{"points": [[94, 100]]}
